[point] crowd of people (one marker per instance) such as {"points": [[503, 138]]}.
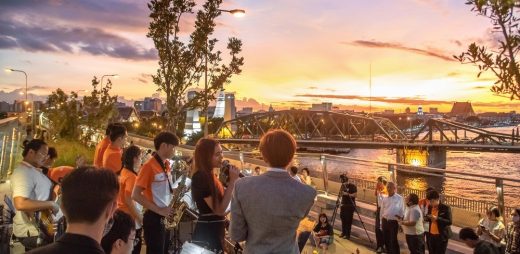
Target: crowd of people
{"points": [[123, 198]]}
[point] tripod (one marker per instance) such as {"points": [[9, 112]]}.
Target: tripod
{"points": [[338, 202]]}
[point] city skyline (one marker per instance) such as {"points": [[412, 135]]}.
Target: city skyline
{"points": [[295, 53]]}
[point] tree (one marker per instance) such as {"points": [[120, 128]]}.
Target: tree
{"points": [[99, 108], [502, 61], [62, 111], [182, 61], [73, 118]]}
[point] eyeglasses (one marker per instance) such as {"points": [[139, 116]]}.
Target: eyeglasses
{"points": [[43, 154], [136, 240]]}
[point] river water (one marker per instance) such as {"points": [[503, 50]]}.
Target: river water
{"points": [[483, 163]]}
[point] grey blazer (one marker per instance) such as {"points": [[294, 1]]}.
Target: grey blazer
{"points": [[266, 211]]}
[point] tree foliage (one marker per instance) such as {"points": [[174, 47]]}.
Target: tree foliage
{"points": [[502, 60], [182, 60], [74, 118]]}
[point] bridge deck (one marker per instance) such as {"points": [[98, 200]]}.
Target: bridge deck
{"points": [[387, 145]]}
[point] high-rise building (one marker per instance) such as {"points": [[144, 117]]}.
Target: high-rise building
{"points": [[153, 104], [325, 106], [139, 105], [220, 105], [5, 107], [192, 118], [230, 110]]}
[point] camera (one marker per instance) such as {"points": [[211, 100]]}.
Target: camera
{"points": [[343, 178]]}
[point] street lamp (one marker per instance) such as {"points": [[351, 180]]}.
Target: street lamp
{"points": [[107, 75], [237, 13], [14, 70]]}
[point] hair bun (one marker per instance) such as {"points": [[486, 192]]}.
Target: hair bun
{"points": [[24, 144]]}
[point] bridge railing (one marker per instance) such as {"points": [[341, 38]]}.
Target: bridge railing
{"points": [[10, 145], [473, 205]]}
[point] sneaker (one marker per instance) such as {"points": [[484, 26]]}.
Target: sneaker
{"points": [[342, 235], [379, 250]]}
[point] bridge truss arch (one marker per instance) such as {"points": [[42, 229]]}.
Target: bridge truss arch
{"points": [[312, 125]]}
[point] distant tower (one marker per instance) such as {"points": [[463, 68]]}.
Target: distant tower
{"points": [[271, 109], [192, 118], [230, 110], [221, 105]]}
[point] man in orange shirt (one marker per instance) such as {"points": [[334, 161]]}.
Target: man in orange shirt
{"points": [[102, 146], [114, 152], [439, 216], [153, 189]]}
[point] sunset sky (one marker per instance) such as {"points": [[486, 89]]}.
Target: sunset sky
{"points": [[296, 52]]}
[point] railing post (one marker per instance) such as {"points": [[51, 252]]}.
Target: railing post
{"points": [[241, 156], [325, 174], [500, 195], [11, 152], [2, 158], [391, 169]]}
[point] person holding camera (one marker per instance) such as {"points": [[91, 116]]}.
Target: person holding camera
{"points": [[209, 194], [348, 206]]}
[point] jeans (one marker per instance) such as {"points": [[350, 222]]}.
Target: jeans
{"points": [[437, 245], [154, 233], [346, 215], [390, 229], [415, 243]]}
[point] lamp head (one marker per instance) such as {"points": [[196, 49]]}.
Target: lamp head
{"points": [[8, 70], [238, 13]]}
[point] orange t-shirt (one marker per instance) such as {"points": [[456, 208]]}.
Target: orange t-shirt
{"points": [[434, 227], [112, 158], [57, 173], [380, 188], [100, 150], [126, 186], [153, 180]]}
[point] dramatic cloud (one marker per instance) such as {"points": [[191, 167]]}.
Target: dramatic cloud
{"points": [[49, 38], [397, 46], [402, 100], [112, 13], [144, 78]]}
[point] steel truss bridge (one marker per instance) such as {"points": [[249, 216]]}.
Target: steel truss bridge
{"points": [[324, 129]]}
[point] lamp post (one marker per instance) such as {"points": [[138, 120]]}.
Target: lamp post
{"points": [[26, 102], [237, 13], [107, 75], [14, 70]]}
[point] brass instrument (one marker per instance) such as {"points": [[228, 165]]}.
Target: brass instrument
{"points": [[177, 205]]}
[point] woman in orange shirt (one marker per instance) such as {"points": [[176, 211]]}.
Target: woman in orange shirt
{"points": [[131, 162]]}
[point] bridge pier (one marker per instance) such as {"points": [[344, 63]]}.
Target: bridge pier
{"points": [[429, 157]]}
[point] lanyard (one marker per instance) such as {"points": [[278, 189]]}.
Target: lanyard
{"points": [[163, 166]]}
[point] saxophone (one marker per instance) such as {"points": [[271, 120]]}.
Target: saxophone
{"points": [[177, 205]]}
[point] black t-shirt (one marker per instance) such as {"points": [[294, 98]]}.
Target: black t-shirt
{"points": [[201, 189], [319, 228], [351, 189], [71, 243]]}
